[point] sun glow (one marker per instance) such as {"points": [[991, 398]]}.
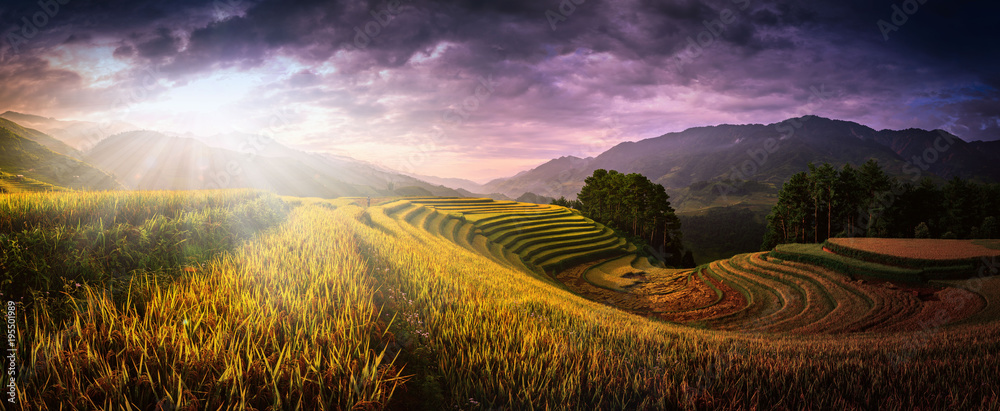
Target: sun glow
{"points": [[204, 106]]}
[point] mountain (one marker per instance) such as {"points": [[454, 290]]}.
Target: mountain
{"points": [[553, 179], [456, 183], [80, 135], [765, 154], [987, 148], [534, 198], [41, 138], [21, 155], [151, 160]]}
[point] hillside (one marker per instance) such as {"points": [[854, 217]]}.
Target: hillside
{"points": [[456, 183], [80, 135], [768, 154], [41, 138], [21, 155], [150, 160]]}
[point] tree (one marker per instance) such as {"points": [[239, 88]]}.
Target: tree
{"points": [[989, 228], [787, 221], [868, 202], [562, 201], [632, 204], [876, 184], [822, 187], [850, 193]]}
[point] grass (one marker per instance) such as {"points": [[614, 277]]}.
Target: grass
{"points": [[275, 324], [50, 243], [340, 307], [10, 183]]}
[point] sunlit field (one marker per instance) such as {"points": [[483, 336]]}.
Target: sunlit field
{"points": [[327, 305]]}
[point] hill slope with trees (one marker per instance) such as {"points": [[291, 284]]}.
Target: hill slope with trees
{"points": [[868, 202]]}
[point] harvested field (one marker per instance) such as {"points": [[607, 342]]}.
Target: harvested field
{"points": [[919, 248]]}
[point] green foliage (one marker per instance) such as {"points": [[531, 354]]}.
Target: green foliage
{"points": [[867, 202], [990, 228], [562, 201], [104, 239], [722, 232], [21, 155], [632, 204], [922, 231]]}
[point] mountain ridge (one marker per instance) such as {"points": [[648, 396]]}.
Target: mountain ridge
{"points": [[80, 135], [153, 160], [765, 153], [22, 157]]}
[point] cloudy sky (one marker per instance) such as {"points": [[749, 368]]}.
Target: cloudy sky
{"points": [[483, 89]]}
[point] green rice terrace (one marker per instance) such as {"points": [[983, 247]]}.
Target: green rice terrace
{"points": [[540, 238], [825, 288]]}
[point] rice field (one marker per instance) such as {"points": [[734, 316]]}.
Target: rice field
{"points": [[425, 304], [545, 238], [757, 292], [918, 249]]}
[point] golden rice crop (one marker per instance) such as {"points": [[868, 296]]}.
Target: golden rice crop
{"points": [[287, 321], [357, 309]]}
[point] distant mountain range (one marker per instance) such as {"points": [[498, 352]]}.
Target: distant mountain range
{"points": [[24, 156], [456, 183], [151, 160], [764, 154], [701, 167]]}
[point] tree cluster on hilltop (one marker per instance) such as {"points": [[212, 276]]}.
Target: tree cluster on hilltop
{"points": [[636, 207], [866, 202]]}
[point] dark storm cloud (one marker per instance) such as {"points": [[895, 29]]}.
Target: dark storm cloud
{"points": [[559, 67]]}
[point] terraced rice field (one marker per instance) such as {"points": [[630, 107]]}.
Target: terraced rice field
{"points": [[10, 183], [386, 307], [919, 249], [905, 260], [758, 293], [542, 238]]}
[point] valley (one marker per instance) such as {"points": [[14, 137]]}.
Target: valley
{"points": [[358, 287]]}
